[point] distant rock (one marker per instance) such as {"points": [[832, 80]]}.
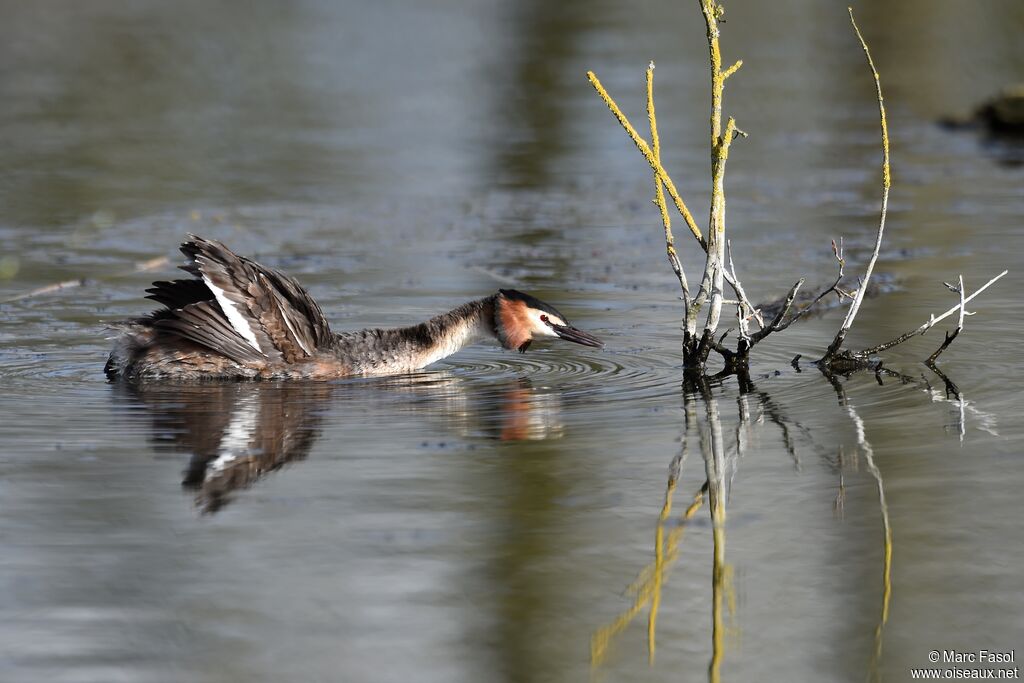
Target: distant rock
{"points": [[1003, 114]]}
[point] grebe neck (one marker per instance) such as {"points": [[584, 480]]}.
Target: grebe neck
{"points": [[405, 349], [446, 334]]}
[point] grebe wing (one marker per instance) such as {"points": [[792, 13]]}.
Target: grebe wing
{"points": [[268, 310], [179, 293], [193, 313], [204, 323]]}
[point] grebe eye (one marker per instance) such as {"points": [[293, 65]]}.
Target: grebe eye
{"points": [[543, 318]]}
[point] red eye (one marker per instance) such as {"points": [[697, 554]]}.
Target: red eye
{"points": [[543, 318]]}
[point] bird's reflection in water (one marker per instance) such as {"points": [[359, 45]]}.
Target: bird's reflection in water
{"points": [[518, 412], [238, 432], [235, 433]]}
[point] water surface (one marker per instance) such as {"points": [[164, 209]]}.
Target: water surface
{"points": [[497, 516]]}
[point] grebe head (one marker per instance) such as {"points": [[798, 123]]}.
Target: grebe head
{"points": [[520, 318]]}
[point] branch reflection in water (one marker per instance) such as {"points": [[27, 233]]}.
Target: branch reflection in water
{"points": [[864, 448], [238, 432], [648, 586], [720, 467]]}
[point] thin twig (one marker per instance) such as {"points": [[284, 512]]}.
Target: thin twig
{"points": [[837, 251], [497, 277], [732, 69], [777, 322], [745, 311], [934, 320], [851, 314], [140, 267], [959, 289], [48, 289]]}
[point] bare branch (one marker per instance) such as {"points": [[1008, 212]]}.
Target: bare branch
{"points": [[837, 251], [140, 267], [931, 321], [776, 324], [851, 314], [959, 289], [745, 311]]}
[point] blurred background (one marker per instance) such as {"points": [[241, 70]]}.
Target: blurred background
{"points": [[482, 520]]}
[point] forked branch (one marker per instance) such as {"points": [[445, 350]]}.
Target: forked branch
{"points": [[859, 357], [932, 321], [959, 289], [649, 155]]}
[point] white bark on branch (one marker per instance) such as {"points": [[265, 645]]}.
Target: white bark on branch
{"points": [[934, 320]]}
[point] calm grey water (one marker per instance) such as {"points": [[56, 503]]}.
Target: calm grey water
{"points": [[496, 517]]}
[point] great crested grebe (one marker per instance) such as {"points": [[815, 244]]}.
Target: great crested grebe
{"points": [[238, 319]]}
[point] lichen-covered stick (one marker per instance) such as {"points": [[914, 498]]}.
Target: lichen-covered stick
{"points": [[648, 154], [837, 342]]}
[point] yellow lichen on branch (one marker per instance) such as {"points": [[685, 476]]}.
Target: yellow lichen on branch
{"points": [[659, 193], [645, 149], [695, 348], [886, 176], [851, 314], [711, 13], [714, 267], [732, 69]]}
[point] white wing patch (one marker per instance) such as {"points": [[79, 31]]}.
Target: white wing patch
{"points": [[238, 436], [292, 330], [230, 309]]}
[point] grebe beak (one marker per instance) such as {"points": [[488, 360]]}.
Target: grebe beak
{"points": [[570, 333]]}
